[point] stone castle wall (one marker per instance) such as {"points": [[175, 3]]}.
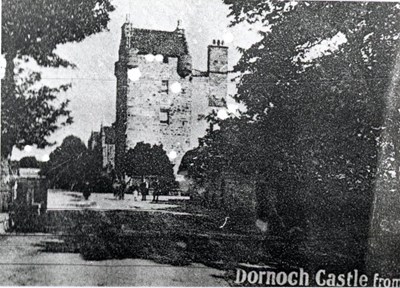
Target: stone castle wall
{"points": [[148, 108], [201, 87], [155, 113]]}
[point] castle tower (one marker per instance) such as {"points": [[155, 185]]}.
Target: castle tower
{"points": [[154, 106], [159, 96]]}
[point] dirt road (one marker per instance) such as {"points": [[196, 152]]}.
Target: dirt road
{"points": [[23, 263]]}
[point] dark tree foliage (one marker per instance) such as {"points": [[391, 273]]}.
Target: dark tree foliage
{"points": [[32, 114], [224, 149], [35, 28], [29, 162], [97, 177], [320, 119], [74, 167], [313, 127], [32, 30], [201, 164], [67, 166], [146, 160]]}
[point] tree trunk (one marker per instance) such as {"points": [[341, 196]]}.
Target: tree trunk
{"points": [[384, 239], [8, 127], [7, 133], [5, 184]]}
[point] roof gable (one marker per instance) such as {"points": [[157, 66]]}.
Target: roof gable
{"points": [[166, 43]]}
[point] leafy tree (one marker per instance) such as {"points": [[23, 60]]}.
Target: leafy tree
{"points": [[31, 115], [32, 30], [66, 168], [74, 167], [146, 160], [29, 162], [96, 177], [318, 119], [221, 150]]}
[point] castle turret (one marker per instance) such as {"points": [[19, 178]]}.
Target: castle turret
{"points": [[185, 65]]}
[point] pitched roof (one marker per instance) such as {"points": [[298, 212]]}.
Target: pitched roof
{"points": [[109, 133], [166, 43]]}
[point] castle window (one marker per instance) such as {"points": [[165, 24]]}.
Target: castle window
{"points": [[164, 116], [165, 59], [164, 86], [214, 101]]}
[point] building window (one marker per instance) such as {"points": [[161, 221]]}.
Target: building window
{"points": [[215, 101], [164, 86], [165, 59], [164, 116]]}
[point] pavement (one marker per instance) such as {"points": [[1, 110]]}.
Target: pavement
{"points": [[23, 263], [67, 200]]}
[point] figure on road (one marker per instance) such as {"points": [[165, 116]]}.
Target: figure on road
{"points": [[143, 190], [156, 191]]}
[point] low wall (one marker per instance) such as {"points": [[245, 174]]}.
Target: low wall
{"points": [[30, 204]]}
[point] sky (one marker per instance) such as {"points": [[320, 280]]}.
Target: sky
{"points": [[93, 92]]}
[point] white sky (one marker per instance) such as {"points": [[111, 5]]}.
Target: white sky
{"points": [[93, 92]]}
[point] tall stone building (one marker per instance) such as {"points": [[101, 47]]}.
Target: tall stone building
{"points": [[104, 143], [107, 138], [160, 97]]}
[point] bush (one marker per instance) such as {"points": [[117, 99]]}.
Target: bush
{"points": [[102, 242]]}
